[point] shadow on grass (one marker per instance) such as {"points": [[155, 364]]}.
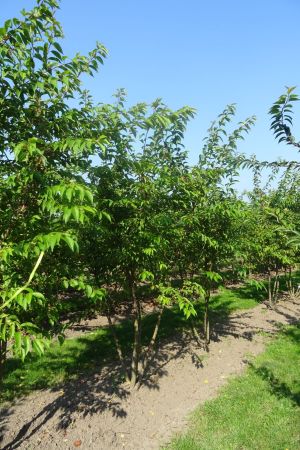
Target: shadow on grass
{"points": [[293, 334], [290, 336], [276, 386]]}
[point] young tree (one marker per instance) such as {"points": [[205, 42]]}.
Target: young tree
{"points": [[45, 146], [136, 177]]}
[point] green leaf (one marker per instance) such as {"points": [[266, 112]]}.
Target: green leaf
{"points": [[18, 341], [67, 214], [88, 290], [27, 344], [89, 196], [69, 241], [38, 347], [75, 213], [61, 339]]}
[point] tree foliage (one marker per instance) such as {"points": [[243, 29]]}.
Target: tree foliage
{"points": [[98, 201]]}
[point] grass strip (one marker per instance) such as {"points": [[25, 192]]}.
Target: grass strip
{"points": [[259, 410]]}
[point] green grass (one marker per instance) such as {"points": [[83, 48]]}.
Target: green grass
{"points": [[93, 350], [259, 410]]}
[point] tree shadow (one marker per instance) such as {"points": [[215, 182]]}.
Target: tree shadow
{"points": [[293, 334], [100, 392], [92, 360], [287, 313], [4, 419], [276, 387], [240, 324], [84, 355], [249, 292], [93, 351], [183, 344], [85, 397], [222, 324]]}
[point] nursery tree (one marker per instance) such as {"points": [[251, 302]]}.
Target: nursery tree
{"points": [[221, 208], [136, 177], [45, 145], [274, 213]]}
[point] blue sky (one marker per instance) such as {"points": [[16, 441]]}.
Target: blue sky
{"points": [[205, 54]]}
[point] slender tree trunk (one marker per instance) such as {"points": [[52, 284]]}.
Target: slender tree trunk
{"points": [[118, 346], [289, 281], [206, 320], [3, 353], [270, 286], [286, 279], [149, 354], [275, 287], [137, 333]]}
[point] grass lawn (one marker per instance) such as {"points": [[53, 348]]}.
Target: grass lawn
{"points": [[91, 351], [259, 410]]}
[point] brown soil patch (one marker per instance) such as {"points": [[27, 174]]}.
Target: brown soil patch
{"points": [[124, 312], [97, 413]]}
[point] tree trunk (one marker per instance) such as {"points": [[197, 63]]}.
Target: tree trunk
{"points": [[275, 287], [289, 282], [3, 353], [270, 287], [206, 320], [137, 333]]}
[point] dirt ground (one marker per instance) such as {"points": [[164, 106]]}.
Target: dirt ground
{"points": [[97, 413]]}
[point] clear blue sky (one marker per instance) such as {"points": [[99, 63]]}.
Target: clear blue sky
{"points": [[194, 52]]}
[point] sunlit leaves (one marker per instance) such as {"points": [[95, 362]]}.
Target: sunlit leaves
{"points": [[282, 117], [185, 297], [45, 146]]}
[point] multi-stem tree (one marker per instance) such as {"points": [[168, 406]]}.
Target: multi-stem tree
{"points": [[135, 179]]}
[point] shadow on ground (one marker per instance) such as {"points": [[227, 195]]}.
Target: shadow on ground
{"points": [[87, 396], [98, 385]]}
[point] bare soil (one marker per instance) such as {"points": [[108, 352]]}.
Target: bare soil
{"points": [[96, 412]]}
